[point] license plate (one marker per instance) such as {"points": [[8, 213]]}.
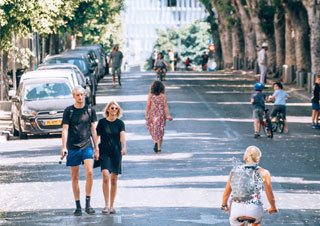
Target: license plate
{"points": [[52, 122]]}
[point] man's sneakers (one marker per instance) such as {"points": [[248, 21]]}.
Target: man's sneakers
{"points": [[77, 212], [314, 126], [90, 211], [256, 135]]}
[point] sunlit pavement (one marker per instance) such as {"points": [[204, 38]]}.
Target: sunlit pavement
{"points": [[184, 184]]}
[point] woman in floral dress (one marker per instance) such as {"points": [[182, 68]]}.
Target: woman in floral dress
{"points": [[156, 114]]}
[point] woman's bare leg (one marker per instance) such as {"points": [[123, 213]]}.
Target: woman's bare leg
{"points": [[105, 186], [113, 191]]}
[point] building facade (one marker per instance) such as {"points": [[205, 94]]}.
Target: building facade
{"points": [[141, 18]]}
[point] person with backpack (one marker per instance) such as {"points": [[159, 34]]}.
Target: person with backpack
{"points": [[245, 185], [257, 100], [78, 127]]}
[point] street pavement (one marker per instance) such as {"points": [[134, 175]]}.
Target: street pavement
{"points": [[184, 184]]}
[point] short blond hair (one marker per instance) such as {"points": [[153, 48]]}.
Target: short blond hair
{"points": [[252, 154], [78, 89], [106, 110]]}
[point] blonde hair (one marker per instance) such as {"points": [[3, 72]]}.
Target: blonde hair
{"points": [[78, 89], [106, 110], [252, 154]]}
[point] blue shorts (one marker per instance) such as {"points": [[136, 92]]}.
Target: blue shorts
{"points": [[76, 157], [315, 106]]}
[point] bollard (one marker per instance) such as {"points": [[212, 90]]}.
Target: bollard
{"points": [[239, 63], [284, 73], [301, 79], [311, 77], [235, 63], [256, 67], [245, 63]]}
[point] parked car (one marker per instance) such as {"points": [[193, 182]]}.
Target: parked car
{"points": [[81, 61], [102, 64], [90, 54], [77, 76], [38, 106]]}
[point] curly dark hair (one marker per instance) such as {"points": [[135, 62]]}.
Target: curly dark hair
{"points": [[278, 84], [157, 88]]}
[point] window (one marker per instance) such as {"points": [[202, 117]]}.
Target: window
{"points": [[172, 3]]}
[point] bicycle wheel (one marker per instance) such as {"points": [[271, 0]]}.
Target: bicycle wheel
{"points": [[269, 128], [161, 76], [280, 125]]}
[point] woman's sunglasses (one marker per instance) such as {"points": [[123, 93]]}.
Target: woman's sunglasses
{"points": [[114, 108]]}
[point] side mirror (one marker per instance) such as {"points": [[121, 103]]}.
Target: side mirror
{"points": [[15, 99]]}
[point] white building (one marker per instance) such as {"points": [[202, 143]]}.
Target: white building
{"points": [[141, 18]]}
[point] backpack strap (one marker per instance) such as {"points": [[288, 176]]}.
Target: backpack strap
{"points": [[70, 113]]}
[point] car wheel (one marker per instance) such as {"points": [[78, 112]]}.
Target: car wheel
{"points": [[22, 135]]}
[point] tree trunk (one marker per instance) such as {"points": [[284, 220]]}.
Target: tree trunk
{"points": [[290, 58], [299, 21], [313, 10], [279, 35], [237, 40], [248, 31], [226, 43]]}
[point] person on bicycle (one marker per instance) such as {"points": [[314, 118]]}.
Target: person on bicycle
{"points": [[315, 103], [161, 64], [280, 97], [253, 207], [258, 102]]}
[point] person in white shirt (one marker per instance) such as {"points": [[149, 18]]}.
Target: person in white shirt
{"points": [[171, 59], [263, 62]]}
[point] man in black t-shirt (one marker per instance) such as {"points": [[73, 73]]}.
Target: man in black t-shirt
{"points": [[78, 127]]}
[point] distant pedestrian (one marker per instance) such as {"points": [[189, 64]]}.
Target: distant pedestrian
{"points": [[204, 61], [115, 60], [315, 103], [112, 147], [154, 57], [157, 112], [280, 97], [171, 59], [263, 62], [258, 102], [78, 127]]}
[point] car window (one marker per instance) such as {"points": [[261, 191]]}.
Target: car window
{"points": [[78, 62], [45, 91], [80, 78]]}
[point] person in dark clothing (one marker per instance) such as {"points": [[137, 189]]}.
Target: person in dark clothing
{"points": [[78, 126], [111, 131], [204, 61], [315, 103], [258, 102]]}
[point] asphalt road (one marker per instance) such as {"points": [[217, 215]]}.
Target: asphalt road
{"points": [[184, 184]]}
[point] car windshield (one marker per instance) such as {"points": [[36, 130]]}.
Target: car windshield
{"points": [[46, 91], [78, 62]]}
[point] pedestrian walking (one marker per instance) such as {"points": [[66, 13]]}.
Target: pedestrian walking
{"points": [[315, 103], [204, 61], [258, 102], [245, 185], [111, 131], [161, 65], [280, 97], [263, 62], [157, 112], [78, 127], [171, 59], [115, 60]]}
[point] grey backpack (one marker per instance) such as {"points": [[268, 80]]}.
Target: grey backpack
{"points": [[243, 181]]}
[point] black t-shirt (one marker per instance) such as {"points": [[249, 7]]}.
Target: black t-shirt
{"points": [[79, 121], [316, 92], [259, 99], [109, 133]]}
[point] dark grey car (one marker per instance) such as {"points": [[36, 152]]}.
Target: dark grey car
{"points": [[39, 104]]}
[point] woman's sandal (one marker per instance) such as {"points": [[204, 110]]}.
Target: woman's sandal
{"points": [[112, 211], [105, 210]]}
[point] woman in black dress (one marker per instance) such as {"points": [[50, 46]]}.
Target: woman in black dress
{"points": [[111, 131]]}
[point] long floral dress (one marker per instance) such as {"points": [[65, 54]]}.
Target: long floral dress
{"points": [[156, 118]]}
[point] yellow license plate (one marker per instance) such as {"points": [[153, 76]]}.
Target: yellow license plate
{"points": [[52, 122]]}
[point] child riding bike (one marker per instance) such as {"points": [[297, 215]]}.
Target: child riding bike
{"points": [[258, 102], [160, 65], [280, 97]]}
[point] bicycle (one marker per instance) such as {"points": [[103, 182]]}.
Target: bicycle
{"points": [[278, 125], [160, 75], [266, 124]]}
